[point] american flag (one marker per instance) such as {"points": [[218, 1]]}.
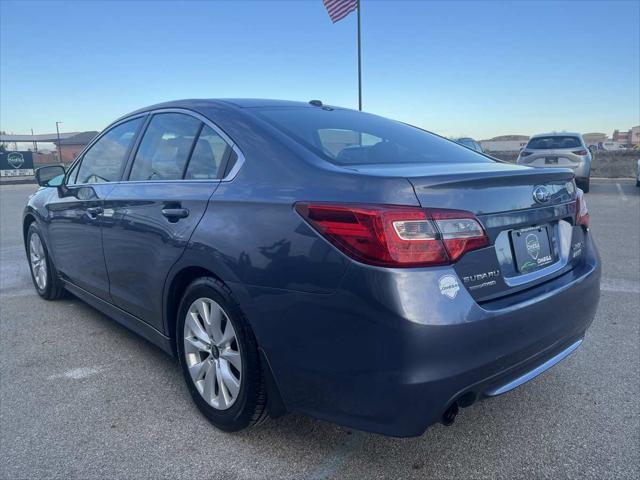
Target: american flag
{"points": [[338, 9]]}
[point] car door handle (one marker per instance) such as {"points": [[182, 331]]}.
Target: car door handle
{"points": [[175, 214], [94, 211]]}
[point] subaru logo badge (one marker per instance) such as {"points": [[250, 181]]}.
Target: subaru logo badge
{"points": [[541, 194]]}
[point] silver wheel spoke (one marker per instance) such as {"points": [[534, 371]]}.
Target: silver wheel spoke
{"points": [[224, 399], [231, 383], [232, 357], [195, 345], [228, 335], [203, 309], [199, 370], [209, 381], [215, 326], [195, 328]]}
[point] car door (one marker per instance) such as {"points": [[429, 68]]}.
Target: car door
{"points": [[74, 212], [174, 172]]}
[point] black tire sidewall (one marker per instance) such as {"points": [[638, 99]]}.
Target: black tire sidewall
{"points": [[240, 414]]}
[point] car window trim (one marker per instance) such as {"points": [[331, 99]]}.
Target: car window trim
{"points": [[134, 149], [110, 127], [229, 176], [224, 167], [193, 146]]}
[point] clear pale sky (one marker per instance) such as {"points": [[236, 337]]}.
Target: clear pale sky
{"points": [[457, 68]]}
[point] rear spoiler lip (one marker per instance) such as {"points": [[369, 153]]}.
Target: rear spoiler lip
{"points": [[533, 176]]}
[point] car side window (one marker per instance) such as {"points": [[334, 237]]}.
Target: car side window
{"points": [[207, 157], [165, 147], [103, 162]]}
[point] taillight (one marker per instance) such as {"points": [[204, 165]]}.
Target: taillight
{"points": [[460, 232], [396, 236], [580, 152], [582, 212]]}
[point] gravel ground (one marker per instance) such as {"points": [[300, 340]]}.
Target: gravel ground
{"points": [[82, 397]]}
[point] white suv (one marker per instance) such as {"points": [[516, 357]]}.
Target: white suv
{"points": [[559, 150]]}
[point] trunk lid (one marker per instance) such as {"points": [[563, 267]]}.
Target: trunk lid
{"points": [[528, 215]]}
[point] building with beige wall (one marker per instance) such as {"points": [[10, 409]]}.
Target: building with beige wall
{"points": [[71, 147]]}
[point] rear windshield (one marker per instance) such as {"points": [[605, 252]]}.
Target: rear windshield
{"points": [[347, 137], [546, 143]]}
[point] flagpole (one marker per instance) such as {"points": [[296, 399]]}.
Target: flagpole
{"points": [[359, 63]]}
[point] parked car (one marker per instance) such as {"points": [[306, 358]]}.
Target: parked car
{"points": [[613, 146], [566, 150], [307, 258], [638, 174], [469, 143]]}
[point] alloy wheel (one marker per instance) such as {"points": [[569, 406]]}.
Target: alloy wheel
{"points": [[212, 353], [38, 261]]}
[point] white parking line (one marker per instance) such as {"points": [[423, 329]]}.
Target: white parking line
{"points": [[619, 285], [77, 373], [622, 194]]}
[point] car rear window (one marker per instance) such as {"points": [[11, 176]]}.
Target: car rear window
{"points": [[555, 141], [347, 137]]}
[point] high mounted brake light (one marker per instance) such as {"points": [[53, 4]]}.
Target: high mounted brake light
{"points": [[394, 236]]}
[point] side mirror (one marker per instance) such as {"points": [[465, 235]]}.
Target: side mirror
{"points": [[50, 176]]}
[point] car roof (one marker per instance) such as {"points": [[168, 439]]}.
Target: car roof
{"points": [[197, 103], [557, 134]]}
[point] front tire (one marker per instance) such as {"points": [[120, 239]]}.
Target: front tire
{"points": [[43, 273], [219, 356]]}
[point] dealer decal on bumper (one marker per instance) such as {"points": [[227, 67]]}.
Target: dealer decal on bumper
{"points": [[449, 286]]}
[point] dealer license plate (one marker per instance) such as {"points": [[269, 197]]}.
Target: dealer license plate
{"points": [[532, 248]]}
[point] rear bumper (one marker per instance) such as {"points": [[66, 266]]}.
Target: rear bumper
{"points": [[529, 375], [581, 171], [389, 353]]}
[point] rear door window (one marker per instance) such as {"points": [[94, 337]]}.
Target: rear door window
{"points": [[208, 156], [165, 147], [104, 161], [555, 141]]}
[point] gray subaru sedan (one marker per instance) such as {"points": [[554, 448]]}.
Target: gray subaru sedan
{"points": [[300, 257]]}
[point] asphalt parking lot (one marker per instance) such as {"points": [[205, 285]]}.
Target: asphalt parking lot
{"points": [[82, 397]]}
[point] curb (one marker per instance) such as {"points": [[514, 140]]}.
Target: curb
{"points": [[17, 182]]}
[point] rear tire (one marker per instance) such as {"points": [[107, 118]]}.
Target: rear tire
{"points": [[584, 185], [43, 273], [217, 351]]}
